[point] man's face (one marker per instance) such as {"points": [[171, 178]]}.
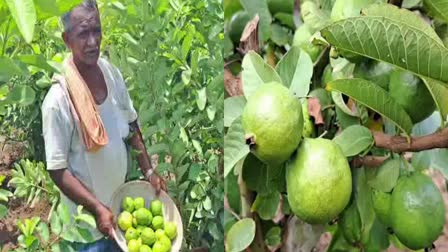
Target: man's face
{"points": [[84, 38]]}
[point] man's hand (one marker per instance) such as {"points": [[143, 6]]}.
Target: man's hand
{"points": [[157, 181], [105, 221]]}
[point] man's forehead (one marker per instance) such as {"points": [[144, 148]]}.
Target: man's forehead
{"points": [[83, 17]]}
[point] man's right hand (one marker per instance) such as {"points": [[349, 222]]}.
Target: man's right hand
{"points": [[105, 221]]}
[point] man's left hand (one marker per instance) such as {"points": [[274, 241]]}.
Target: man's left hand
{"points": [[157, 181]]}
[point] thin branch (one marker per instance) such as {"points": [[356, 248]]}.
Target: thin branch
{"points": [[368, 161], [400, 144]]}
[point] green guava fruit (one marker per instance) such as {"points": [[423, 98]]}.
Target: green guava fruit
{"points": [[350, 224], [237, 25], [273, 123], [381, 205], [284, 6], [417, 211], [127, 204], [376, 71], [308, 126], [125, 220], [318, 181], [411, 93]]}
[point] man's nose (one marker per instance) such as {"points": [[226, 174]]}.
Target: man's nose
{"points": [[91, 40]]}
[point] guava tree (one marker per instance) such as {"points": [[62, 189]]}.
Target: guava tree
{"points": [[335, 111]]}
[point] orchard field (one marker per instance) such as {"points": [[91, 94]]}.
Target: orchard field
{"points": [[170, 54], [335, 118]]}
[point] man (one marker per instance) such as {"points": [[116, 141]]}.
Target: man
{"points": [[86, 152]]}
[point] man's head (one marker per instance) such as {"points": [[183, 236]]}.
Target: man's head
{"points": [[82, 32]]}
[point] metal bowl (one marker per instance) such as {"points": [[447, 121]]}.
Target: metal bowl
{"points": [[144, 189]]}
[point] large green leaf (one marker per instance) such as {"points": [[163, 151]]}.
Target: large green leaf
{"points": [[235, 147], [437, 8], [24, 14], [255, 73], [439, 93], [38, 61], [8, 69], [23, 95], [313, 16], [260, 7], [296, 70], [348, 8], [233, 107], [402, 16], [386, 40], [354, 140], [386, 176], [374, 97], [266, 205], [240, 235]]}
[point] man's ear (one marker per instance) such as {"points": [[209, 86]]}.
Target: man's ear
{"points": [[65, 37]]}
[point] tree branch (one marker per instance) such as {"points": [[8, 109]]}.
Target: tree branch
{"points": [[400, 144], [368, 161]]}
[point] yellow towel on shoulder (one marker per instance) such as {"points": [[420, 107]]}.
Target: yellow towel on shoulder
{"points": [[84, 108]]}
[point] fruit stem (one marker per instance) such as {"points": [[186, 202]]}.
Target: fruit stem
{"points": [[323, 134], [250, 140]]}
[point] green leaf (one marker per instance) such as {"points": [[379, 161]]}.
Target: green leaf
{"points": [[197, 146], [87, 218], [348, 8], [280, 35], [339, 101], [396, 43], [38, 61], [273, 237], [386, 176], [261, 178], [8, 69], [266, 205], [240, 235], [201, 99], [55, 223], [194, 171], [296, 70], [313, 16], [439, 93], [63, 213], [78, 234], [437, 8], [158, 148], [354, 140], [5, 194], [233, 107], [43, 231], [374, 97], [403, 16], [232, 192], [259, 7], [186, 44], [235, 147], [363, 198], [255, 73], [3, 211], [21, 94], [24, 14]]}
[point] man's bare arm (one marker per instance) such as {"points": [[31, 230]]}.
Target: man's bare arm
{"points": [[138, 144], [79, 194], [143, 159]]}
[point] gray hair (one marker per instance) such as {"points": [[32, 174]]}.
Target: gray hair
{"points": [[88, 4]]}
